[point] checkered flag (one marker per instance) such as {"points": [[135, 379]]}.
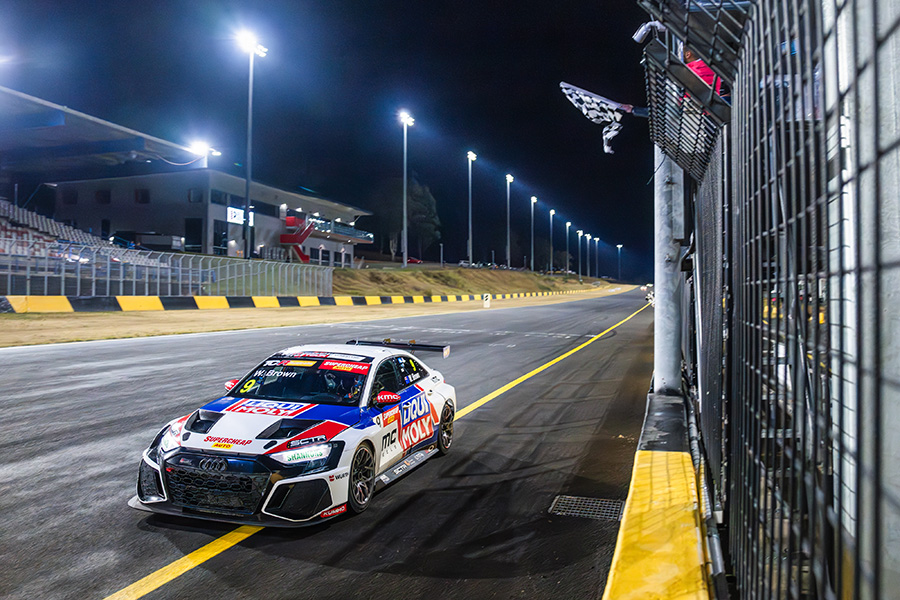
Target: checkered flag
{"points": [[598, 109]]}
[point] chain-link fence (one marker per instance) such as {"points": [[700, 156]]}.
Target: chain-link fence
{"points": [[795, 278], [38, 267]]}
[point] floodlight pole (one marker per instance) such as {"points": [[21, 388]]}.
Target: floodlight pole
{"points": [[533, 201], [568, 258], [587, 255], [249, 161], [250, 45], [509, 180], [619, 246], [470, 158], [552, 212], [405, 233], [580, 233], [407, 121]]}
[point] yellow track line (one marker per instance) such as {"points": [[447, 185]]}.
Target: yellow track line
{"points": [[186, 563], [482, 401]]}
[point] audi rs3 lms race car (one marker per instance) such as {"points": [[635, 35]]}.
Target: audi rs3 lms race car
{"points": [[305, 436]]}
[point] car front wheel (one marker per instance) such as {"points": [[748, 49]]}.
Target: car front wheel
{"points": [[362, 479]]}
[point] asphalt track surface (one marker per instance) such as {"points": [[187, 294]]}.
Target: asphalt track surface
{"points": [[473, 524]]}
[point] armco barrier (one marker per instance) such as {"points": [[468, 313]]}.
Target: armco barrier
{"points": [[661, 549], [42, 304]]}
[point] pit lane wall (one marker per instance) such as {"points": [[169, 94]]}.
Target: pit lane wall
{"points": [[661, 551], [41, 304]]}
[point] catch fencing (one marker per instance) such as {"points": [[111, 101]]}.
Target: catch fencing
{"points": [[40, 267], [793, 281]]}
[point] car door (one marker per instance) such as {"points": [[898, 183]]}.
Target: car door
{"points": [[418, 415], [384, 401]]}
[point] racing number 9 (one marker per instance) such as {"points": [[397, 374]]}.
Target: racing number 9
{"points": [[248, 385]]}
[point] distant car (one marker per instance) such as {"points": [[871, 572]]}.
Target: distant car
{"points": [[305, 436], [414, 261]]}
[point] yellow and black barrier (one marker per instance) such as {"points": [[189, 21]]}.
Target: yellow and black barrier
{"points": [[661, 550], [42, 304]]}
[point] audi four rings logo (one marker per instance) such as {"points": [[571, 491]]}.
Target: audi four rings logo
{"points": [[213, 464]]}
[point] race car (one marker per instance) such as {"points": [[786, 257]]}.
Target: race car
{"points": [[307, 435]]}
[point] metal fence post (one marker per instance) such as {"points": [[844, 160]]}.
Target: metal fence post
{"points": [[668, 189]]}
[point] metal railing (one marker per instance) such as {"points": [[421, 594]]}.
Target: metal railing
{"points": [[794, 324], [29, 267], [326, 226]]}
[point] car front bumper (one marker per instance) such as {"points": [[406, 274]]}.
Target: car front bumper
{"points": [[242, 490]]}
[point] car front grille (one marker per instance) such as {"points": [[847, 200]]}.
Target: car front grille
{"points": [[225, 492]]}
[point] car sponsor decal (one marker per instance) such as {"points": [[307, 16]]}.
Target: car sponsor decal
{"points": [[312, 354], [305, 441], [339, 476], [388, 442], [390, 415], [333, 356], [415, 432], [222, 446], [268, 407], [334, 511], [289, 363], [417, 420], [348, 367], [226, 440], [322, 432], [414, 409]]}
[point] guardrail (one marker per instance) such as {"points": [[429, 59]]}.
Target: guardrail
{"points": [[35, 268]]}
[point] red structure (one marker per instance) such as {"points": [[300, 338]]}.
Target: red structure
{"points": [[301, 231]]}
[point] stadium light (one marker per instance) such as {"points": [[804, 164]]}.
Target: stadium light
{"points": [[509, 180], [471, 156], [619, 247], [407, 121], [552, 212], [248, 43], [580, 233], [533, 202]]}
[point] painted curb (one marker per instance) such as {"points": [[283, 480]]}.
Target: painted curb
{"points": [[45, 304], [661, 548]]}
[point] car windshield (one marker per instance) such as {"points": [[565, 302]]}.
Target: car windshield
{"points": [[312, 381]]}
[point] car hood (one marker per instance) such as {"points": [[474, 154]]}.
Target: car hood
{"points": [[247, 425]]}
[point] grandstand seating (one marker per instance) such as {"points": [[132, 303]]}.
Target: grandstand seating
{"points": [[40, 224], [25, 232]]}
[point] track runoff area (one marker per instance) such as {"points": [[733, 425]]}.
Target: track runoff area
{"points": [[557, 399]]}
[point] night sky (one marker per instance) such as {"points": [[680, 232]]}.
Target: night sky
{"points": [[476, 75]]}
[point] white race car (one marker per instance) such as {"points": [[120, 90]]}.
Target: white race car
{"points": [[307, 435]]}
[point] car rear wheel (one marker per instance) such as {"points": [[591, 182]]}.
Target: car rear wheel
{"points": [[362, 479], [445, 435]]}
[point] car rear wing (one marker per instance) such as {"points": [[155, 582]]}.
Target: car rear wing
{"points": [[410, 346]]}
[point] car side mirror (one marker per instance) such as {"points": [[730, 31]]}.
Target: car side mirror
{"points": [[230, 384], [385, 398]]}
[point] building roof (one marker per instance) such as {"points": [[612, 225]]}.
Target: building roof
{"points": [[45, 139], [40, 136]]}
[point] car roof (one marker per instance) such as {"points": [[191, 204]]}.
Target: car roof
{"points": [[374, 352]]}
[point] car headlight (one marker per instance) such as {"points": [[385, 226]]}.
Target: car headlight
{"points": [[317, 454], [169, 440]]}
